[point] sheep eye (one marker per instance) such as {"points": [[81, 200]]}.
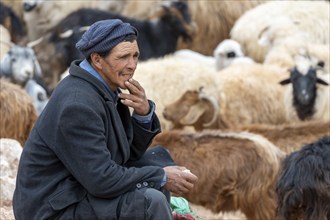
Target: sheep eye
{"points": [[231, 54], [41, 96], [320, 64]]}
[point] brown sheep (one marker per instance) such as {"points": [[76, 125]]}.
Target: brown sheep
{"points": [[237, 171], [17, 111]]}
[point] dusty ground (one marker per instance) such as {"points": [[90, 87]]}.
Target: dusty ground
{"points": [[201, 214], [205, 214]]}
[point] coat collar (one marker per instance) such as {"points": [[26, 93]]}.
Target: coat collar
{"points": [[79, 72]]}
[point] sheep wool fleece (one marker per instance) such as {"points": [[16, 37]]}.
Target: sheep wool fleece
{"points": [[74, 164]]}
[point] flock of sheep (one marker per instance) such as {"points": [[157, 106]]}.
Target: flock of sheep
{"points": [[243, 99]]}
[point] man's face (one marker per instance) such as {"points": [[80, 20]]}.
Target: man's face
{"points": [[120, 64]]}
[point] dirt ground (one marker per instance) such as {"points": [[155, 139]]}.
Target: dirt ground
{"points": [[205, 214], [6, 213]]}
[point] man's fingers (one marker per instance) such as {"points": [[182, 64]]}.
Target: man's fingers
{"points": [[136, 83], [131, 87], [134, 87], [190, 177]]}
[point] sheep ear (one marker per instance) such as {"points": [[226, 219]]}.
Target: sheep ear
{"points": [[285, 81], [263, 39], [321, 81], [5, 66], [193, 115]]}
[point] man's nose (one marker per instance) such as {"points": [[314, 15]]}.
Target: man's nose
{"points": [[132, 63]]}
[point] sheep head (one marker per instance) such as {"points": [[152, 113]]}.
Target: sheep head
{"points": [[193, 108], [20, 64], [304, 87], [226, 52]]}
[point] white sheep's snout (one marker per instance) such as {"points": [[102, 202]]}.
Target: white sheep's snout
{"points": [[24, 73]]}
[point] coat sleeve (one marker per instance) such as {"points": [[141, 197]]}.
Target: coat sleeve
{"points": [[81, 146], [143, 137]]}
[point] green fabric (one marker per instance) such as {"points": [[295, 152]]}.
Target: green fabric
{"points": [[180, 205]]}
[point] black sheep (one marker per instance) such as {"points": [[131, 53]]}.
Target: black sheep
{"points": [[303, 187]]}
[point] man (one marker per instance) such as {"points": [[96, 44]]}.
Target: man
{"points": [[86, 156]]}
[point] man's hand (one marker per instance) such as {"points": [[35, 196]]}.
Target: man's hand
{"points": [[136, 98], [179, 179]]}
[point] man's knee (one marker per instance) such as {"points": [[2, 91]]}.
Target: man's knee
{"points": [[155, 196], [158, 206]]}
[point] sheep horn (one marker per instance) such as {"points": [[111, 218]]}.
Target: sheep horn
{"points": [[66, 34], [35, 42], [215, 104]]}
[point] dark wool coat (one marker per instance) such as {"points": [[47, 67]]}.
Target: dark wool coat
{"points": [[73, 163]]}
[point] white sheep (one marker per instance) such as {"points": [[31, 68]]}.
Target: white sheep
{"points": [[313, 17], [18, 113], [279, 30], [20, 64], [244, 94], [195, 56], [166, 78], [229, 52], [307, 95], [284, 41]]}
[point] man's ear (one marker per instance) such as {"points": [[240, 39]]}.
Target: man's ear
{"points": [[96, 60]]}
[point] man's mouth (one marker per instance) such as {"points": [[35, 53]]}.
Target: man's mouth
{"points": [[126, 75]]}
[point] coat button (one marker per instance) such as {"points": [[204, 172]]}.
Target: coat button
{"points": [[138, 185], [145, 183], [151, 184]]}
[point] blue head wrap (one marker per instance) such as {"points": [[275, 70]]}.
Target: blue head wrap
{"points": [[104, 35]]}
